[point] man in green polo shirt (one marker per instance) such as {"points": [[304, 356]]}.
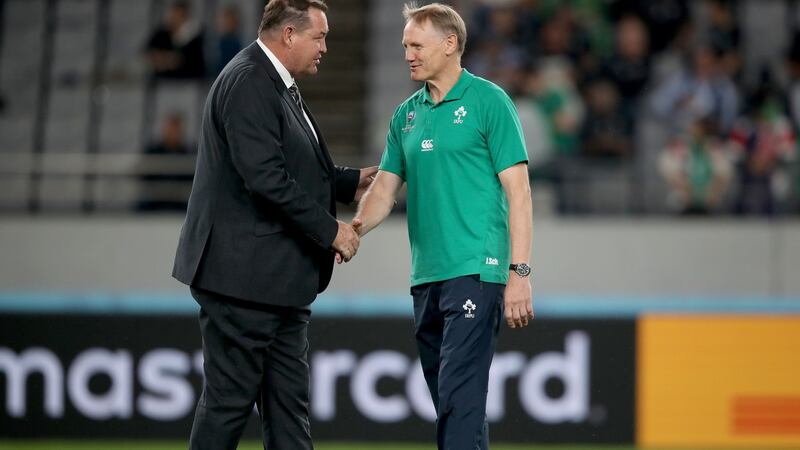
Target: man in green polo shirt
{"points": [[458, 145]]}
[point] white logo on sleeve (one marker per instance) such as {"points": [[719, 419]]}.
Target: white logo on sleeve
{"points": [[427, 145], [492, 261], [469, 307], [460, 113]]}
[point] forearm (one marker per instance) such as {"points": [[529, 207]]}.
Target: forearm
{"points": [[520, 212], [518, 304], [378, 201], [520, 224], [373, 209]]}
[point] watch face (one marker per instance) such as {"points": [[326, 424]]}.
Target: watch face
{"points": [[523, 270]]}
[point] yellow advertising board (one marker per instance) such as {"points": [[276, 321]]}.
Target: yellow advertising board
{"points": [[729, 381]]}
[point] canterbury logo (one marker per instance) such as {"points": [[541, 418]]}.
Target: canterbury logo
{"points": [[427, 145]]}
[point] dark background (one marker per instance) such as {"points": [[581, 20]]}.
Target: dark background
{"points": [[611, 352]]}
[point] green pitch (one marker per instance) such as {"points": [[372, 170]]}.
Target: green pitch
{"points": [[152, 445]]}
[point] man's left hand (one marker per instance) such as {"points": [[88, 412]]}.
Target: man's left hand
{"points": [[365, 181], [518, 302]]}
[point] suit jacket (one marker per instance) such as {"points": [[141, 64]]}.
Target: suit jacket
{"points": [[261, 216]]}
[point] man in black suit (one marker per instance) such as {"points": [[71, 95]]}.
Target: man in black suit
{"points": [[260, 235]]}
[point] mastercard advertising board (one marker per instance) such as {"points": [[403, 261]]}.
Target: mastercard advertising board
{"points": [[730, 381]]}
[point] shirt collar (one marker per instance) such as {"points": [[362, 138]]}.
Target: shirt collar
{"points": [[285, 76], [456, 92]]}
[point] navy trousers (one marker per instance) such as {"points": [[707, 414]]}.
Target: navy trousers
{"points": [[456, 324]]}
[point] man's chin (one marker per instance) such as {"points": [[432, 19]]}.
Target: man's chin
{"points": [[311, 71]]}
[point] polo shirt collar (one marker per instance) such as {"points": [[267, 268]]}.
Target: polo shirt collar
{"points": [[456, 92]]}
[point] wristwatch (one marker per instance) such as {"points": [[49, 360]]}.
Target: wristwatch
{"points": [[521, 269]]}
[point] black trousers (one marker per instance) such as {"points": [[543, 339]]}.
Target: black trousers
{"points": [[456, 326], [253, 354]]}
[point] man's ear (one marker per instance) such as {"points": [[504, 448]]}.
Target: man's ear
{"points": [[452, 44], [287, 35]]}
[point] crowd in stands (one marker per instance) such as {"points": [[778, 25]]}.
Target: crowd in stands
{"points": [[658, 94], [180, 50], [661, 87], [177, 49]]}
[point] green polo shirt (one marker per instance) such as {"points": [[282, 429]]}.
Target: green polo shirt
{"points": [[449, 154]]}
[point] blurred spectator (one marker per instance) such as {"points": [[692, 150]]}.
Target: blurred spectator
{"points": [[702, 92], [793, 100], [497, 56], [536, 131], [697, 170], [551, 89], [551, 86], [503, 63], [793, 69], [514, 21], [172, 141], [724, 35], [590, 18], [175, 50], [672, 60], [529, 23], [765, 144], [160, 186], [606, 131], [629, 67], [564, 37], [229, 42], [664, 18]]}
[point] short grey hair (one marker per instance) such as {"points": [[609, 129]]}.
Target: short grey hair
{"points": [[443, 17]]}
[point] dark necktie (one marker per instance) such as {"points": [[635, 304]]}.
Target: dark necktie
{"points": [[295, 93]]}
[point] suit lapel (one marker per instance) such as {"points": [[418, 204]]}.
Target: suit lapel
{"points": [[322, 154], [323, 147], [256, 54]]}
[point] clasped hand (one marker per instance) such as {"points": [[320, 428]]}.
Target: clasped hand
{"points": [[346, 242]]}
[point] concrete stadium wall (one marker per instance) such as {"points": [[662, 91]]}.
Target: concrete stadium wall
{"points": [[582, 257]]}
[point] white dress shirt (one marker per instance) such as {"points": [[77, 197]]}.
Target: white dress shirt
{"points": [[286, 77]]}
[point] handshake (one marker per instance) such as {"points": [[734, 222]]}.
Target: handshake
{"points": [[349, 235], [347, 240]]}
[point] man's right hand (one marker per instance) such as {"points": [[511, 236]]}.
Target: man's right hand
{"points": [[346, 242]]}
